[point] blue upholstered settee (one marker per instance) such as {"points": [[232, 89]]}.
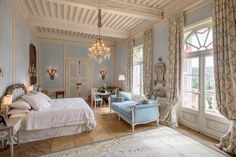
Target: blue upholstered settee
{"points": [[133, 111]]}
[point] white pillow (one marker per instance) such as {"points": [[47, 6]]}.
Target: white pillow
{"points": [[44, 95], [37, 102], [138, 98], [17, 111], [20, 104]]}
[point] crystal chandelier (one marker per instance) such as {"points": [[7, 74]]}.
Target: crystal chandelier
{"points": [[98, 51]]}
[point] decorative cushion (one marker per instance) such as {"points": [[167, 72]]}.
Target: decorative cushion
{"points": [[37, 101], [119, 99], [138, 98], [44, 95], [20, 104], [127, 95]]}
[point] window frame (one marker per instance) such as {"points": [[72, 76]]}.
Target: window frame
{"points": [[135, 48], [201, 55]]}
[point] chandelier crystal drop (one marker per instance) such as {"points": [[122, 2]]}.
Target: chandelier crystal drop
{"points": [[98, 51]]}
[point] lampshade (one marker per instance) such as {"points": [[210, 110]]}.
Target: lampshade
{"points": [[31, 88], [121, 77], [7, 100]]}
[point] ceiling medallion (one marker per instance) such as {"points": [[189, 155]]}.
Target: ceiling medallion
{"points": [[98, 51]]}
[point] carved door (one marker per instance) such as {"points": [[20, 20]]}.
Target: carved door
{"points": [[78, 80]]}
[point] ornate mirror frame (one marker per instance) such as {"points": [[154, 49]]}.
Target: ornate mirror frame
{"points": [[159, 72]]}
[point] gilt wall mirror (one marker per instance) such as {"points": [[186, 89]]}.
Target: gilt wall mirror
{"points": [[32, 64], [159, 72]]}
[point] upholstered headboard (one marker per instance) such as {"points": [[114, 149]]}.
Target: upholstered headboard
{"points": [[16, 90]]}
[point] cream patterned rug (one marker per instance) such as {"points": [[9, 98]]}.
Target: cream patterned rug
{"points": [[160, 142]]}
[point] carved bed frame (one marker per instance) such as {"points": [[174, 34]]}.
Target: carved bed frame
{"points": [[16, 90]]}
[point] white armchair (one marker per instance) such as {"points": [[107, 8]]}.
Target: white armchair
{"points": [[95, 98]]}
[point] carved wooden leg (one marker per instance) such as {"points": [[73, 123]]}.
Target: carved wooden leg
{"points": [[133, 119], [18, 139], [109, 103], [11, 140], [158, 122]]}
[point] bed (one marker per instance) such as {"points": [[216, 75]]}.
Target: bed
{"points": [[66, 116]]}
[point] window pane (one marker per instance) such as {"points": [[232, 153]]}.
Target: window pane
{"points": [[198, 40], [210, 99], [190, 100], [190, 84], [136, 79], [138, 70]]}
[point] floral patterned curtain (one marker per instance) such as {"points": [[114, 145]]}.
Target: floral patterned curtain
{"points": [[224, 43], [147, 63], [176, 25], [129, 82]]}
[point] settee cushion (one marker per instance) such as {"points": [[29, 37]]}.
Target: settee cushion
{"points": [[124, 108], [127, 95], [138, 98]]}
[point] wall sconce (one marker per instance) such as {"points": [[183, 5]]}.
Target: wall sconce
{"points": [[103, 74], [1, 72], [52, 72], [33, 71]]}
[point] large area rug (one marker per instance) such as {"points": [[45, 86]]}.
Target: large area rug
{"points": [[160, 142]]}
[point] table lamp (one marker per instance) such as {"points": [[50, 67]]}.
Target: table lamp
{"points": [[121, 78], [6, 100], [31, 88]]}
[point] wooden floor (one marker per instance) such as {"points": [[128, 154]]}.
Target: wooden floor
{"points": [[108, 126]]}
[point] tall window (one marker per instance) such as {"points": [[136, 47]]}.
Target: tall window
{"points": [[198, 70], [138, 70]]}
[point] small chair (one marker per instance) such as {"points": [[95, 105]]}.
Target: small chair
{"points": [[95, 98]]}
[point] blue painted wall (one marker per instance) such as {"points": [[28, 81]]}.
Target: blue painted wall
{"points": [[121, 51], [23, 37], [199, 14], [51, 52], [6, 45], [160, 48]]}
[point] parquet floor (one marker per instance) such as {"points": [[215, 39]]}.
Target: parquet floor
{"points": [[108, 126]]}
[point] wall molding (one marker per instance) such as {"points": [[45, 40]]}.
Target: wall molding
{"points": [[64, 70]]}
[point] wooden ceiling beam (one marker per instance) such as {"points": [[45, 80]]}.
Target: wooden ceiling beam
{"points": [[68, 37], [57, 24], [116, 7]]}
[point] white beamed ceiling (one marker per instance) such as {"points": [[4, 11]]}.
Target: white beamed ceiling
{"points": [[77, 19]]}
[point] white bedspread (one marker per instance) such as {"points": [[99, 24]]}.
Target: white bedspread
{"points": [[70, 111]]}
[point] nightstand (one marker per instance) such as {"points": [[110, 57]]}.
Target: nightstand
{"points": [[58, 93], [13, 126]]}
